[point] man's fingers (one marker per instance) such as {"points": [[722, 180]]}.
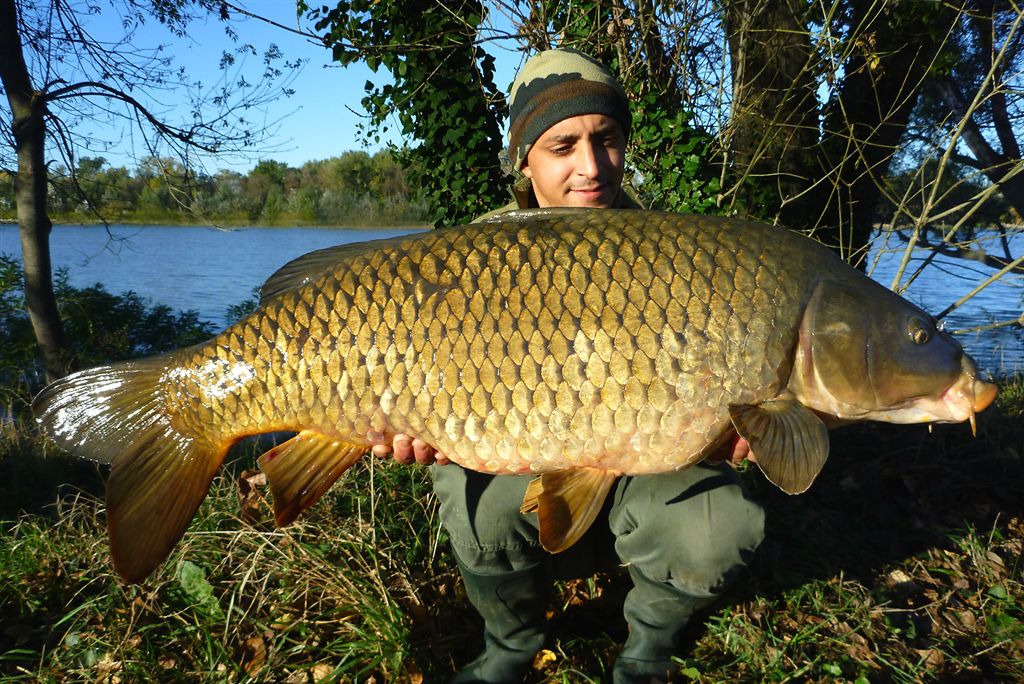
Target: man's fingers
{"points": [[402, 445], [423, 452], [740, 451], [407, 450]]}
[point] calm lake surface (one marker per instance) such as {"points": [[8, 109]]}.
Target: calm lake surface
{"points": [[192, 267]]}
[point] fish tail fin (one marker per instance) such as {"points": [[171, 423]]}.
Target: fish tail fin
{"points": [[160, 473]]}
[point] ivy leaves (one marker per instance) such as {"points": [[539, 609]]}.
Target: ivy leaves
{"points": [[442, 95]]}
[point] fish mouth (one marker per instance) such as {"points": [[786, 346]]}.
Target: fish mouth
{"points": [[969, 395]]}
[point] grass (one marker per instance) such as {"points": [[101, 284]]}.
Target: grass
{"points": [[902, 564]]}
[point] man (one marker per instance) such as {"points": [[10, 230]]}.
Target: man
{"points": [[681, 536]]}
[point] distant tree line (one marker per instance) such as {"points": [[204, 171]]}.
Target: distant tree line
{"points": [[356, 188]]}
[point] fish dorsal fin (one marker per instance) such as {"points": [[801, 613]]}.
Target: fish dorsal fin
{"points": [[302, 469], [789, 442], [566, 502], [305, 269]]}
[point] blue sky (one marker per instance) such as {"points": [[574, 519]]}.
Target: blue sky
{"points": [[320, 119]]}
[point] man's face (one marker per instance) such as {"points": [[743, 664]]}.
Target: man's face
{"points": [[578, 162]]}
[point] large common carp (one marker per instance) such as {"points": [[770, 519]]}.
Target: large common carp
{"points": [[578, 345]]}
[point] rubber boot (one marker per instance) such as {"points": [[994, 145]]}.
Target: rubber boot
{"points": [[513, 606], [656, 613]]}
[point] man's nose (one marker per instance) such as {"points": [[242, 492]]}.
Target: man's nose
{"points": [[588, 159]]}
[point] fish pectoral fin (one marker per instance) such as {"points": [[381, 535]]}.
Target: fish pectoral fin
{"points": [[566, 502], [302, 469], [789, 442]]}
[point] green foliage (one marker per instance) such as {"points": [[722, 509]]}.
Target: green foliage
{"points": [[443, 95], [672, 159], [195, 591], [102, 327], [354, 189]]}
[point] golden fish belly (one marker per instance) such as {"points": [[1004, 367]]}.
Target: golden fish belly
{"points": [[517, 347]]}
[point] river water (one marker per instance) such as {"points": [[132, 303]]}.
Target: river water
{"points": [[193, 267]]}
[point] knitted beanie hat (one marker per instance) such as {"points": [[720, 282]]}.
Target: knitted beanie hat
{"points": [[555, 85]]}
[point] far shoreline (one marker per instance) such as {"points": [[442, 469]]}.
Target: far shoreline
{"points": [[228, 225]]}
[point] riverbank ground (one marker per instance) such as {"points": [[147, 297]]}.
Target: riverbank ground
{"points": [[903, 563]]}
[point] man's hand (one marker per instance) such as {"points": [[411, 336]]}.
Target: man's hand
{"points": [[407, 450], [734, 451]]}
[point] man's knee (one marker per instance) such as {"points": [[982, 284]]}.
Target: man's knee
{"points": [[694, 529], [481, 514]]}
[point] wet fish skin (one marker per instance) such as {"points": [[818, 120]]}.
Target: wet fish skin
{"points": [[598, 343], [570, 339]]}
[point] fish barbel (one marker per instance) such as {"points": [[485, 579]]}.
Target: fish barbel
{"points": [[578, 345]]}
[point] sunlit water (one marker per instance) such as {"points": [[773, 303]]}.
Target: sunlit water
{"points": [[209, 270]]}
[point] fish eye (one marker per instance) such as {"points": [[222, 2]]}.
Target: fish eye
{"points": [[919, 332]]}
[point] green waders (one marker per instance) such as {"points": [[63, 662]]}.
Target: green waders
{"points": [[683, 536], [513, 605]]}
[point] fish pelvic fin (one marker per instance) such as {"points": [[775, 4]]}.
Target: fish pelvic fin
{"points": [[789, 443], [567, 502], [159, 475], [302, 469]]}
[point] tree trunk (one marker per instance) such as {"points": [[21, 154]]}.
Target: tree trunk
{"points": [[825, 183], [773, 127], [995, 165], [29, 109]]}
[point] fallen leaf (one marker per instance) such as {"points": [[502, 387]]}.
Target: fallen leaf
{"points": [[250, 495], [543, 659], [931, 657], [413, 672], [254, 654], [107, 670], [321, 671], [996, 564], [857, 647], [967, 619], [897, 576]]}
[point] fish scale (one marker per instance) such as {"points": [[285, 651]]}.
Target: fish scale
{"points": [[578, 345]]}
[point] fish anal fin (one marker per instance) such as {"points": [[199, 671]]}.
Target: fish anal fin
{"points": [[566, 502], [788, 441], [302, 469]]}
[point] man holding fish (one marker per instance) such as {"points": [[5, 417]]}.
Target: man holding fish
{"points": [[595, 361], [682, 536]]}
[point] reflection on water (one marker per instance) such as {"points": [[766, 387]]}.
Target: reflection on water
{"points": [[188, 267]]}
